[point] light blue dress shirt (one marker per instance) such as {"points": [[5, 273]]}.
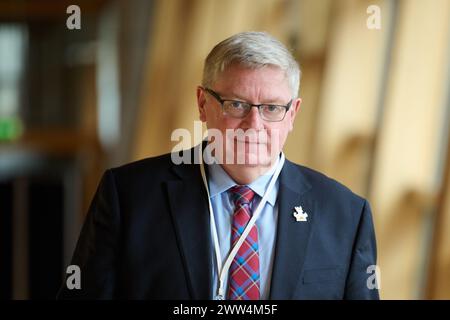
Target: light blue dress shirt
{"points": [[222, 203]]}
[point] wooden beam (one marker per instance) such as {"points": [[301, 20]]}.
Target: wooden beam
{"points": [[14, 10]]}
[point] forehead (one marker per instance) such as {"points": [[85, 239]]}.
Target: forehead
{"points": [[267, 82]]}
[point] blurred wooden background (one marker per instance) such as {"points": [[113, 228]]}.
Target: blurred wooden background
{"points": [[375, 113]]}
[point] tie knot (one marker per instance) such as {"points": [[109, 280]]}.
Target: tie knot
{"points": [[242, 195]]}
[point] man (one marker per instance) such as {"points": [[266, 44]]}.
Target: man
{"points": [[244, 223]]}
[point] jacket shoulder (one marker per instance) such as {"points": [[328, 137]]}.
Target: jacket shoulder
{"points": [[326, 185], [162, 167]]}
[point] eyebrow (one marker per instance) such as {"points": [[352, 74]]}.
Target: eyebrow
{"points": [[275, 100]]}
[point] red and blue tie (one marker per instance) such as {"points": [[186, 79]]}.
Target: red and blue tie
{"points": [[244, 270]]}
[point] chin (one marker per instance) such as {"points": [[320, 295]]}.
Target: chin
{"points": [[249, 154], [255, 160]]}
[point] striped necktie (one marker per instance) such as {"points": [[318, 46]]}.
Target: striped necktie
{"points": [[244, 270]]}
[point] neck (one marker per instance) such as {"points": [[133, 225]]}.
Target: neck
{"points": [[244, 174]]}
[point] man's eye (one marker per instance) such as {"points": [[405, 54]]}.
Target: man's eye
{"points": [[237, 105], [272, 108]]}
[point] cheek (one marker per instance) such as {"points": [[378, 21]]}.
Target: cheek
{"points": [[217, 121], [228, 123], [279, 133], [213, 119]]}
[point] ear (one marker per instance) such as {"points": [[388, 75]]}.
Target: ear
{"points": [[201, 102], [295, 107]]}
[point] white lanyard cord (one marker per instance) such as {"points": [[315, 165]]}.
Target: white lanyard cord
{"points": [[223, 271]]}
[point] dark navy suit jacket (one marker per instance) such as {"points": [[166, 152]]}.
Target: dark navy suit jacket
{"points": [[147, 236]]}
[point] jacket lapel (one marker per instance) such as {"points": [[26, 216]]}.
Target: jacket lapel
{"points": [[189, 210], [292, 236]]}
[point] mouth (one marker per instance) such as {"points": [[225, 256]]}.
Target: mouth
{"points": [[249, 141], [248, 137]]}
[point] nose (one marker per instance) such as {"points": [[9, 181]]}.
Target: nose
{"points": [[253, 119]]}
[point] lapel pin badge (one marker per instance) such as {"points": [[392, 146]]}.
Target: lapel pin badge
{"points": [[300, 215]]}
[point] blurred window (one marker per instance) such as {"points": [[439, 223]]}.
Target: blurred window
{"points": [[13, 39]]}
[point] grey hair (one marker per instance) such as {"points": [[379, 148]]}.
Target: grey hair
{"points": [[252, 50]]}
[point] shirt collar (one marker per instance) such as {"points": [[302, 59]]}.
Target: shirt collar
{"points": [[219, 181]]}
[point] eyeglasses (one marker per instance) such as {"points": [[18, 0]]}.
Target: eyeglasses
{"points": [[239, 109]]}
